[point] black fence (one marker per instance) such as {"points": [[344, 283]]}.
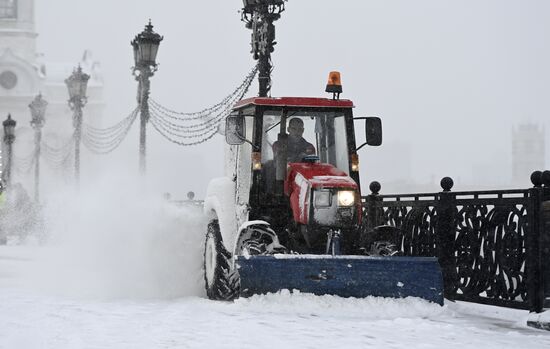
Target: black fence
{"points": [[493, 246]]}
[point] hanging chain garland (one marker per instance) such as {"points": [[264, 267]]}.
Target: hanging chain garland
{"points": [[193, 131], [107, 133], [25, 164], [187, 129], [56, 157], [184, 129], [104, 141], [208, 111]]}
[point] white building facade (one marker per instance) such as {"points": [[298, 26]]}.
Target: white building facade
{"points": [[24, 74]]}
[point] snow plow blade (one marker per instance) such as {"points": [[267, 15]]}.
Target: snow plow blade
{"points": [[344, 276]]}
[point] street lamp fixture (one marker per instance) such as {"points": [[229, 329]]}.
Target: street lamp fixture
{"points": [[9, 129], [38, 110], [272, 8], [77, 85], [145, 46], [276, 6]]}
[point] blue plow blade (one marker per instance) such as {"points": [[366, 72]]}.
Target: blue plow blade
{"points": [[344, 276]]}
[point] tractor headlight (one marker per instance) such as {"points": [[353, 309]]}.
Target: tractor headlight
{"points": [[346, 198], [323, 198]]}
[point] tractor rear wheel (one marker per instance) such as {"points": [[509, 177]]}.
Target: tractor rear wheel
{"points": [[221, 282]]}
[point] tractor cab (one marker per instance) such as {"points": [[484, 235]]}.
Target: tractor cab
{"points": [[296, 142]]}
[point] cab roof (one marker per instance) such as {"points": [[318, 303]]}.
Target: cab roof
{"points": [[295, 102]]}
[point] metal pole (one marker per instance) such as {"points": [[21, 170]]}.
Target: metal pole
{"points": [[9, 143], [533, 259], [78, 136], [545, 239], [445, 232], [264, 75], [38, 109], [264, 71], [372, 218], [144, 117], [9, 138], [37, 140]]}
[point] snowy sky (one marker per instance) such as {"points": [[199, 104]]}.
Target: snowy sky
{"points": [[449, 78]]}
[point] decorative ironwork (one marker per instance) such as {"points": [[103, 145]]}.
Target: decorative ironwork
{"points": [[418, 232], [490, 244], [259, 16], [490, 250]]}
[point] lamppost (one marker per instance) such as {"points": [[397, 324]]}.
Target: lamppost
{"points": [[77, 84], [145, 45], [9, 138], [259, 16], [38, 109]]}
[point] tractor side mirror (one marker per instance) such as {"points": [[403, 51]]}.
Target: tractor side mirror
{"points": [[373, 130], [235, 131]]}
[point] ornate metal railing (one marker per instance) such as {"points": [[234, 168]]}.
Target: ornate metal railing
{"points": [[493, 246], [188, 203]]}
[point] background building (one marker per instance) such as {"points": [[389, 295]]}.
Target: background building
{"points": [[528, 152], [24, 73]]}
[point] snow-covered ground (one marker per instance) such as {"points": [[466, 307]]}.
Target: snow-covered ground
{"points": [[127, 274], [30, 320]]}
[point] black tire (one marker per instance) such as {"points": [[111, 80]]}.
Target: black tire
{"points": [[258, 239], [383, 241], [254, 248], [220, 281]]}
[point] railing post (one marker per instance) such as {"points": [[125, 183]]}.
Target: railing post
{"points": [[445, 231], [545, 239], [373, 218], [533, 247]]}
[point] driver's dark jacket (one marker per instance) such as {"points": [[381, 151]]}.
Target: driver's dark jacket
{"points": [[296, 149]]}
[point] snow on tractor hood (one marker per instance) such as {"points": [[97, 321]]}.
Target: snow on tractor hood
{"points": [[319, 176], [302, 178]]}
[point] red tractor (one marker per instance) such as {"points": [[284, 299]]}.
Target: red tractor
{"points": [[287, 214]]}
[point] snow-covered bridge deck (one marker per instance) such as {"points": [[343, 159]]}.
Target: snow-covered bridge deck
{"points": [[35, 313]]}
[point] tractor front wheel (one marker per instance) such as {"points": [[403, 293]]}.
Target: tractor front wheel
{"points": [[221, 282]]}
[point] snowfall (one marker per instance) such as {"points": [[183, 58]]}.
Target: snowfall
{"points": [[126, 273]]}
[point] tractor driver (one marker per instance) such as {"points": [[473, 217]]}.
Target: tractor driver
{"points": [[297, 146]]}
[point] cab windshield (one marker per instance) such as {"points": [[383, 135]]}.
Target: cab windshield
{"points": [[309, 133]]}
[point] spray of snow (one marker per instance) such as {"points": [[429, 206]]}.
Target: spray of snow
{"points": [[20, 218], [119, 241]]}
